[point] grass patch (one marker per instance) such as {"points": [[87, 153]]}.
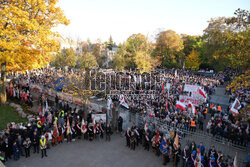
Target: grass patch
{"points": [[8, 114]]}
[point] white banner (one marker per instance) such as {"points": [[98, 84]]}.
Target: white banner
{"points": [[186, 99], [194, 89]]}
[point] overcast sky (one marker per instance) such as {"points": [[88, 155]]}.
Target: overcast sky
{"points": [[95, 19]]}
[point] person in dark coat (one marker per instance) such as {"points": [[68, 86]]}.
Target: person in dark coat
{"points": [[35, 142], [7, 149], [128, 134], [108, 133], [19, 142], [26, 145], [120, 122], [15, 151], [186, 156]]}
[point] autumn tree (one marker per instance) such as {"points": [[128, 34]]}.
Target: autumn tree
{"points": [[228, 41], [97, 52], [69, 56], [119, 62], [26, 39], [193, 60], [87, 60], [136, 52], [168, 48], [143, 61]]}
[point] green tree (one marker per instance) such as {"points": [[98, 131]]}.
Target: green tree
{"points": [[193, 60], [135, 43], [143, 61], [135, 53], [119, 62], [87, 60], [69, 56], [228, 41], [168, 48], [59, 61]]}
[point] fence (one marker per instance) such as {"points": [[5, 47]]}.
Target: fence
{"points": [[186, 137]]}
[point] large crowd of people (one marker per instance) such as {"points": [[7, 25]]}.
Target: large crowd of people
{"points": [[145, 94], [193, 155]]}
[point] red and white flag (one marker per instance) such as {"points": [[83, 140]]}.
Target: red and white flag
{"points": [[190, 105], [202, 93], [235, 107], [122, 102], [181, 105]]}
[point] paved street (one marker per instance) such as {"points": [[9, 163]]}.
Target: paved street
{"points": [[91, 154], [219, 97]]}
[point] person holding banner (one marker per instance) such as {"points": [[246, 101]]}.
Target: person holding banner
{"points": [[164, 150], [176, 154]]}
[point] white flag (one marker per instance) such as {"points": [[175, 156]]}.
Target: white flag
{"points": [[235, 161], [109, 103], [235, 107], [122, 102]]}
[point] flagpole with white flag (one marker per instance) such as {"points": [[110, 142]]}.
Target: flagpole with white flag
{"points": [[235, 107], [235, 161], [123, 102]]}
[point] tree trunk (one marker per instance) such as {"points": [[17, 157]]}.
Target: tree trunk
{"points": [[3, 79]]}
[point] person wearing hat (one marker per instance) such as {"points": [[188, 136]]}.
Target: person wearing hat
{"points": [[192, 160], [203, 161], [212, 162], [43, 146]]}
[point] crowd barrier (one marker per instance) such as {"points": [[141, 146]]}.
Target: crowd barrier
{"points": [[186, 137]]}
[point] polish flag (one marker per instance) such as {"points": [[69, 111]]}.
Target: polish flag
{"points": [[235, 107], [203, 93], [190, 105], [123, 102], [181, 105]]}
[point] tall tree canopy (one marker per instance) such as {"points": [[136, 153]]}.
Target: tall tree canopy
{"points": [[136, 53], [227, 41], [26, 38], [168, 48]]}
